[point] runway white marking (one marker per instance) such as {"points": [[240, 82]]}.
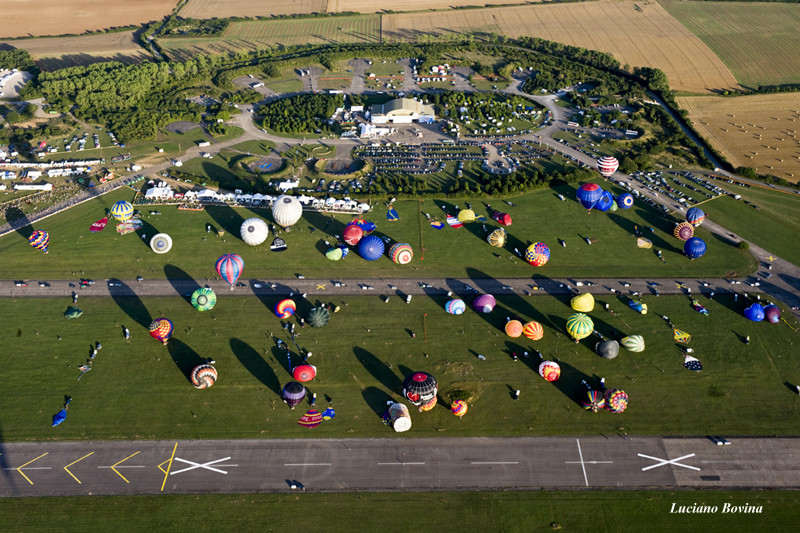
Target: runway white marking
{"points": [[662, 462], [401, 463], [583, 466], [123, 466], [495, 462], [206, 466], [306, 464], [584, 463]]}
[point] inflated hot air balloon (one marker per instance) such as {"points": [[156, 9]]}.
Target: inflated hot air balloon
{"points": [[466, 215], [430, 405], [39, 239], [304, 372], [695, 216], [537, 254], [683, 231], [514, 328], [549, 370], [484, 303], [607, 349], [533, 330], [614, 206], [204, 299], [636, 305], [589, 194], [254, 231], [633, 343], [293, 393], [420, 388], [459, 408], [401, 253], [594, 401], [285, 308], [579, 326], [694, 248], [625, 200], [204, 376], [161, 329], [122, 211], [583, 303], [605, 202], [399, 417], [772, 313], [286, 211], [455, 307], [230, 267], [616, 400], [607, 166], [319, 317], [504, 219], [497, 238], [371, 248], [352, 234], [755, 313], [161, 243]]}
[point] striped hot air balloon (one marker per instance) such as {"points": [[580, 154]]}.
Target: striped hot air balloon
{"points": [[616, 400], [533, 330], [633, 343], [204, 376], [455, 307], [204, 299], [39, 239], [579, 326], [459, 408], [497, 238], [230, 267], [122, 211], [285, 308], [683, 231], [607, 166], [513, 328], [594, 401], [550, 370], [583, 302], [161, 329], [401, 253]]}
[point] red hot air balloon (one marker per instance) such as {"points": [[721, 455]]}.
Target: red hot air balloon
{"points": [[230, 267], [304, 372], [352, 234], [607, 166], [161, 329]]}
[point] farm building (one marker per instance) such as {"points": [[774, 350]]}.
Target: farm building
{"points": [[33, 187], [402, 111]]}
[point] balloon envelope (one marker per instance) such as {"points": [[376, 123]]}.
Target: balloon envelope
{"points": [[772, 313], [352, 234], [625, 200], [579, 326], [287, 210], [594, 401], [533, 330], [466, 215], [636, 305], [683, 231], [39, 239], [371, 248], [497, 238], [755, 313], [420, 388], [254, 231], [204, 299], [319, 317], [161, 329], [285, 308], [549, 370], [589, 194], [605, 202], [59, 417], [293, 393], [695, 216], [122, 211], [401, 253], [694, 248], [633, 343], [161, 243], [455, 307], [514, 328], [204, 376], [616, 400], [607, 349], [459, 408], [537, 254], [304, 372], [607, 165], [583, 302], [230, 267], [484, 303]]}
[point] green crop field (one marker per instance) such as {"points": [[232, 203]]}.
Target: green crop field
{"points": [[508, 512], [538, 217], [758, 41]]}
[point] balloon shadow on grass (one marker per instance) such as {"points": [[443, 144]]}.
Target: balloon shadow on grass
{"points": [[128, 301], [377, 399], [146, 232], [379, 370], [186, 359], [18, 220], [256, 365], [570, 382], [4, 462], [181, 281], [227, 219]]}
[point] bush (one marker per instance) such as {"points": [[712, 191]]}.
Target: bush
{"points": [[743, 245]]}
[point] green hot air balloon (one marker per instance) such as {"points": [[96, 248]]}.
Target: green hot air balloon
{"points": [[633, 343], [318, 317], [579, 326], [72, 312], [204, 299]]}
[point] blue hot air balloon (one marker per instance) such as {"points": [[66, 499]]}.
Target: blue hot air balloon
{"points": [[694, 248], [695, 216], [605, 202], [589, 194], [229, 267], [371, 247], [755, 313], [625, 200]]}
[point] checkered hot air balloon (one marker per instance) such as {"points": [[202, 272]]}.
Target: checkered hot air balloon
{"points": [[513, 328], [161, 329], [39, 239], [459, 408], [579, 326], [594, 401], [616, 400], [550, 370], [230, 267], [533, 330], [401, 253], [537, 254], [285, 308], [204, 376], [607, 166], [122, 211], [683, 231]]}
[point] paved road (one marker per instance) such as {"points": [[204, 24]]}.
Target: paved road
{"points": [[391, 464]]}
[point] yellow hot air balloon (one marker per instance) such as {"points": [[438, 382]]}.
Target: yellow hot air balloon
{"points": [[579, 326], [466, 215], [583, 302], [497, 238]]}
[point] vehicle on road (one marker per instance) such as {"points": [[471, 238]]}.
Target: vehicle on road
{"points": [[257, 285], [139, 278], [114, 284], [44, 284], [20, 284]]}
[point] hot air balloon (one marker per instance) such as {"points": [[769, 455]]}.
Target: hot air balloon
{"points": [[579, 326], [772, 313], [636, 305], [304, 372], [466, 215], [594, 401], [429, 405], [504, 219], [694, 248], [254, 231], [680, 336], [285, 308], [549, 370], [352, 234], [204, 299], [401, 253], [371, 248], [484, 303], [537, 254], [692, 363], [607, 166], [399, 417], [583, 303], [589, 194], [60, 416], [230, 267], [616, 400], [311, 419], [293, 393], [204, 376], [365, 225], [683, 231], [533, 330], [605, 202], [633, 343], [641, 242], [607, 349], [122, 211], [459, 408], [625, 200], [695, 216], [514, 328], [420, 388], [755, 313], [286, 211], [334, 253], [614, 206], [455, 307], [73, 312], [497, 238], [319, 317], [161, 329], [39, 239], [161, 243]]}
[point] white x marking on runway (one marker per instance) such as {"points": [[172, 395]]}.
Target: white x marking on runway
{"points": [[206, 466], [662, 462]]}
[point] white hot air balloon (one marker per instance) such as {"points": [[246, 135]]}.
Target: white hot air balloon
{"points": [[286, 211], [161, 243], [254, 231]]}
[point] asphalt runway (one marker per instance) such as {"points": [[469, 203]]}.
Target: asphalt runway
{"points": [[392, 464]]}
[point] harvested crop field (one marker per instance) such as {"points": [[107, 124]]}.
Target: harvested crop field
{"points": [[206, 9], [51, 53], [636, 33], [59, 17], [259, 34], [758, 131], [758, 41], [377, 6]]}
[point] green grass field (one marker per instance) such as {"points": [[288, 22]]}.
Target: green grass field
{"points": [[757, 41], [539, 216], [400, 512]]}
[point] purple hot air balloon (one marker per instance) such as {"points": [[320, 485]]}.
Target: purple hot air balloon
{"points": [[230, 267], [484, 303], [293, 393], [772, 313]]}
